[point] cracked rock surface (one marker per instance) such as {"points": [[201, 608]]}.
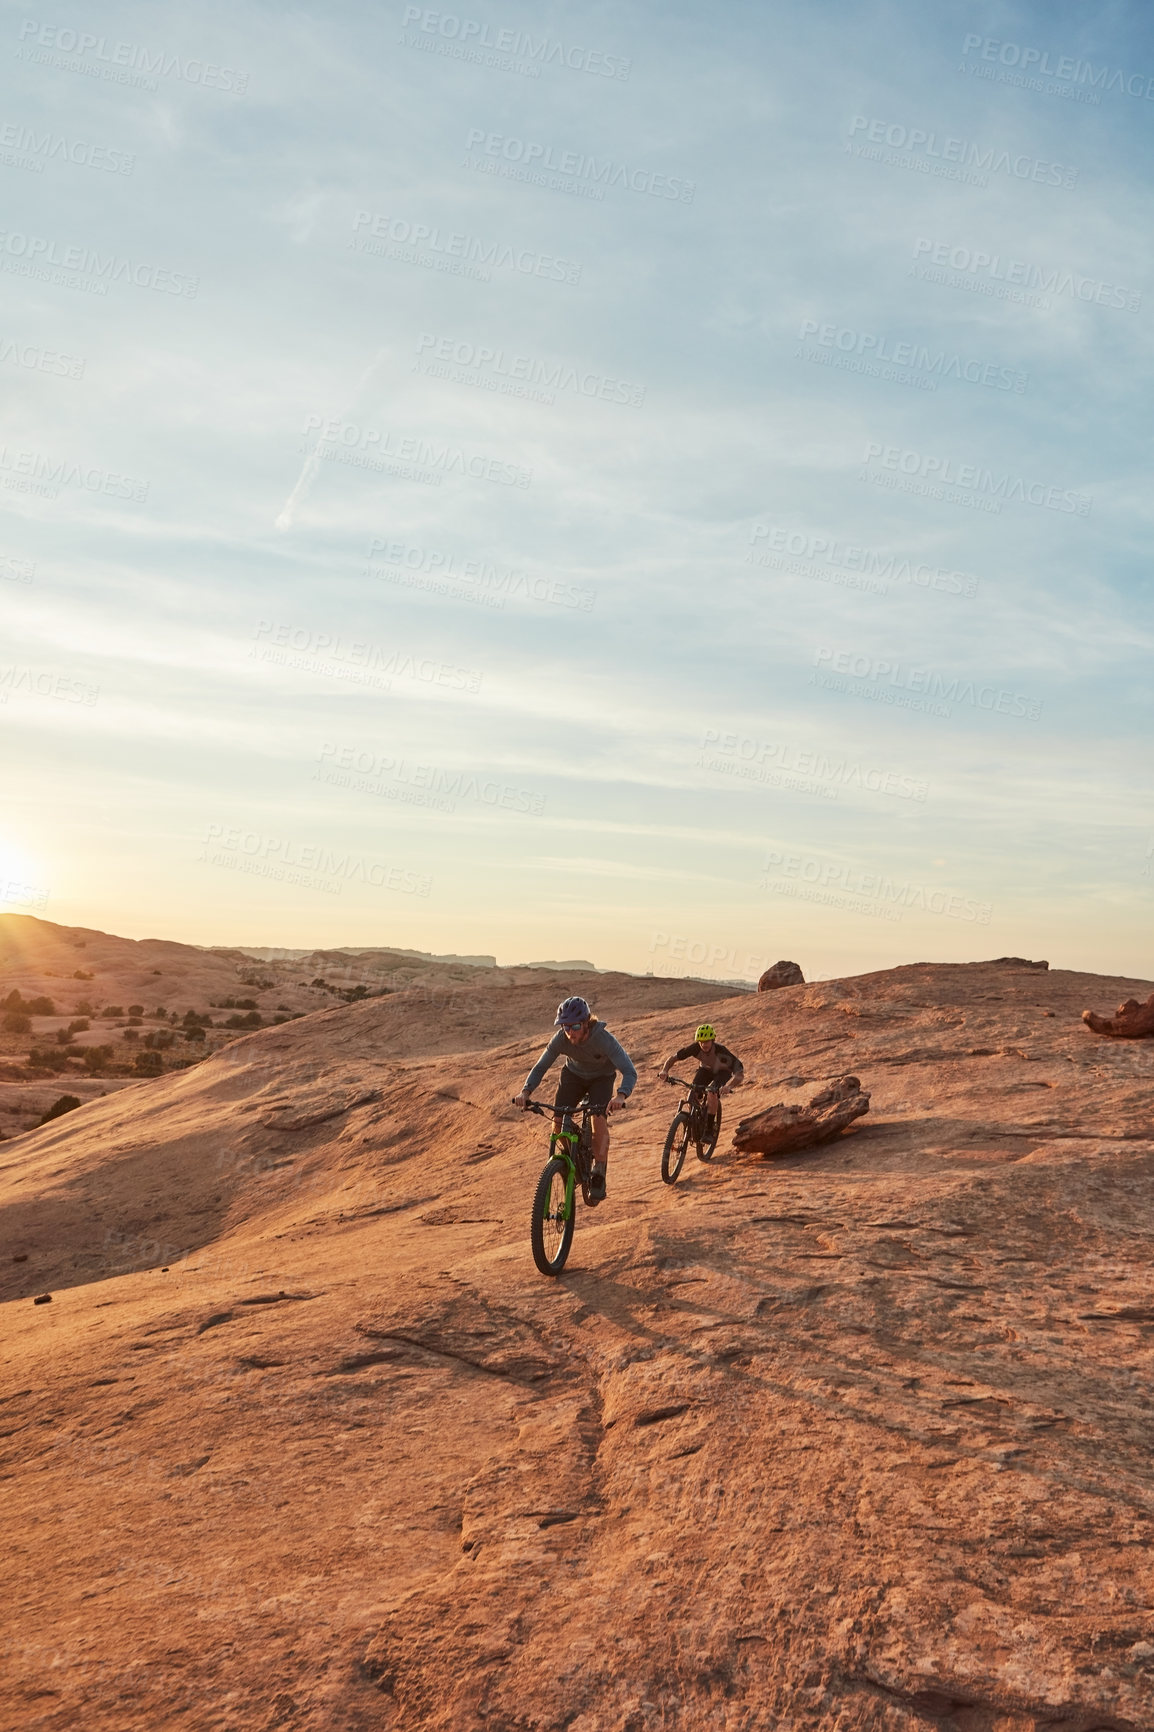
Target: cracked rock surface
{"points": [[857, 1439]]}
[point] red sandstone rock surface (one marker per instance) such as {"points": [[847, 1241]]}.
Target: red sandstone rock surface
{"points": [[1131, 1020], [782, 1129], [859, 1439]]}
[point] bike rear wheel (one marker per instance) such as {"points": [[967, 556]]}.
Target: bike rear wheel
{"points": [[551, 1229], [711, 1131], [676, 1147]]}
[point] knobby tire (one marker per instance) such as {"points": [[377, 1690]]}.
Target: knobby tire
{"points": [[676, 1148], [550, 1236]]}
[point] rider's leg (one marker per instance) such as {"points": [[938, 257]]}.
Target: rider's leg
{"points": [[568, 1095], [600, 1129]]}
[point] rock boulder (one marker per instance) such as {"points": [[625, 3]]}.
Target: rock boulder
{"points": [[1131, 1020], [781, 974], [782, 1130]]}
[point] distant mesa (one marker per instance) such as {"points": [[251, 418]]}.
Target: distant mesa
{"points": [[1019, 962], [570, 967], [781, 974], [1131, 1021]]}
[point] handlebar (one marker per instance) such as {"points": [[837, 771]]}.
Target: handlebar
{"points": [[545, 1112]]}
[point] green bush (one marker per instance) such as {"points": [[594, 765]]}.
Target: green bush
{"points": [[49, 1060], [62, 1104]]}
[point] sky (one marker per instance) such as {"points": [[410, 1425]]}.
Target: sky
{"points": [[664, 485]]}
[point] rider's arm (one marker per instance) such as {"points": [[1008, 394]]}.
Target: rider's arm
{"points": [[618, 1056], [548, 1058]]}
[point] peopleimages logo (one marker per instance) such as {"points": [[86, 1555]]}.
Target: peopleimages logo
{"points": [[308, 865], [517, 375], [382, 450], [41, 360], [421, 784], [492, 582], [938, 363], [123, 62], [529, 159], [33, 472], [525, 52], [952, 158], [875, 568], [459, 254], [939, 476], [355, 659], [35, 255], [874, 893], [44, 147], [1036, 61], [992, 268], [891, 681], [780, 764]]}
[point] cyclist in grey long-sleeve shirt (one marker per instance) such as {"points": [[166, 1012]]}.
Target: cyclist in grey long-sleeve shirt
{"points": [[592, 1060]]}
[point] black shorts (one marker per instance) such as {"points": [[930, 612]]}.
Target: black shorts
{"points": [[573, 1089], [711, 1079]]}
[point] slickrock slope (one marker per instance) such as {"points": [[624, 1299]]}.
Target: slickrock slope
{"points": [[860, 1438], [97, 975]]}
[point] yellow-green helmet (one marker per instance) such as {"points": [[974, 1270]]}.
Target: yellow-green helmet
{"points": [[705, 1032]]}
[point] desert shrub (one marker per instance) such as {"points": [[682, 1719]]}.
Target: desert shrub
{"points": [[195, 1033], [81, 974], [62, 1104], [79, 1025], [15, 1022], [131, 1034], [149, 1064], [40, 1006], [83, 1008], [236, 1004], [95, 1058], [251, 1019], [136, 1010], [111, 1010]]}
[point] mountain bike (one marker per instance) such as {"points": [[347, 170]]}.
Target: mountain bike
{"points": [[692, 1123], [555, 1203]]}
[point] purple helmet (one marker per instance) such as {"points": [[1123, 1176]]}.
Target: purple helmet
{"points": [[571, 1013]]}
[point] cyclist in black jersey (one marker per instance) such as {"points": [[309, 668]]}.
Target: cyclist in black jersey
{"points": [[718, 1069]]}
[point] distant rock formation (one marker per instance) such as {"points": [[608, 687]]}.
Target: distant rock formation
{"points": [[1020, 962], [781, 1130], [781, 974], [1130, 1021]]}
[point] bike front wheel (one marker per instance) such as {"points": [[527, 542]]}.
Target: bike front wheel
{"points": [[676, 1147], [711, 1130], [554, 1218]]}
